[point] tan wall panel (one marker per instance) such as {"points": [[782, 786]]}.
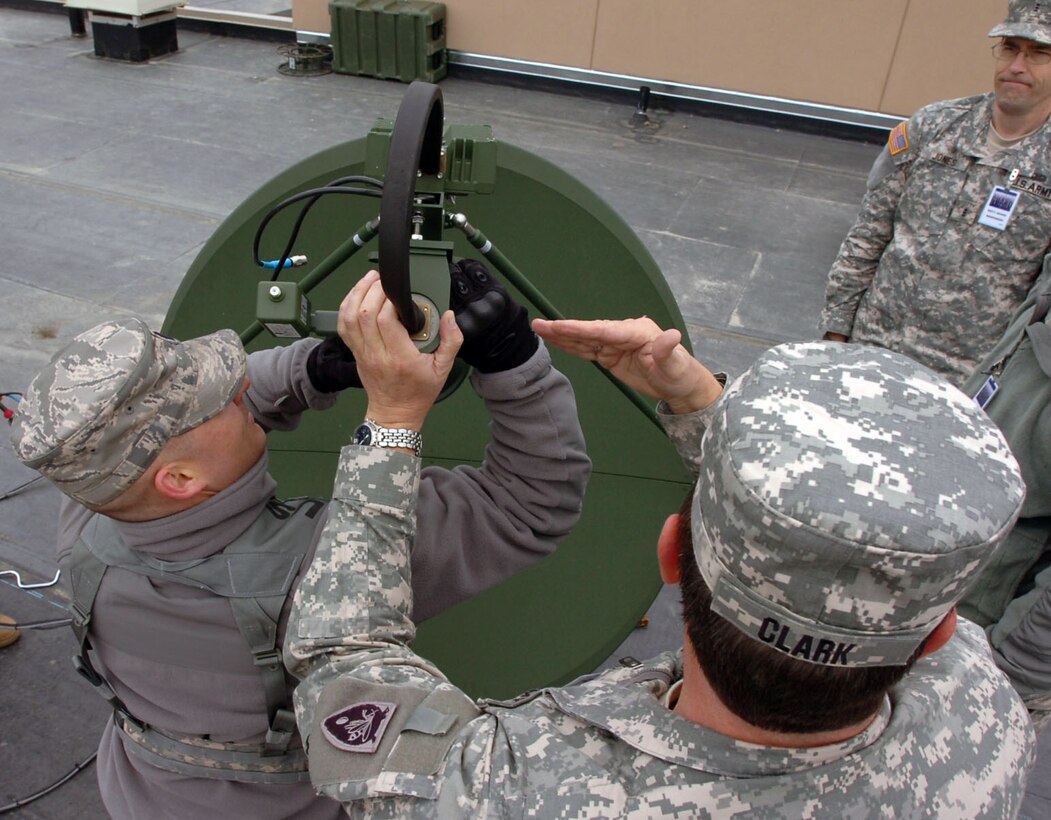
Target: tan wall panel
{"points": [[829, 51], [311, 15], [881, 55], [545, 31], [943, 53]]}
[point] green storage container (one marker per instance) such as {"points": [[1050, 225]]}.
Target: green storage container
{"points": [[391, 39]]}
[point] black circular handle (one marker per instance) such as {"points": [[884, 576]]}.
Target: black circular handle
{"points": [[415, 145]]}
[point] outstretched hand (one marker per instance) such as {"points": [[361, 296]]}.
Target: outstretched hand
{"points": [[401, 382], [640, 354]]}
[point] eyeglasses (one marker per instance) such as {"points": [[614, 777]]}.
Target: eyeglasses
{"points": [[1006, 52]]}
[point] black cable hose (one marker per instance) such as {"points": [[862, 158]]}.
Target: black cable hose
{"points": [[20, 487], [302, 216], [25, 801], [51, 623], [313, 195], [334, 184], [356, 179]]}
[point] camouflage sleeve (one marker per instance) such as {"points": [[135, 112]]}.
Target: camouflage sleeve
{"points": [[860, 252], [685, 431], [378, 721], [356, 595], [281, 390], [991, 728]]}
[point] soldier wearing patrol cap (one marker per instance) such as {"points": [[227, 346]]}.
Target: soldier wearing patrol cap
{"points": [[182, 560], [845, 497], [957, 216]]}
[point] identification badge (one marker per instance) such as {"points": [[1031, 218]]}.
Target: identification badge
{"points": [[998, 208], [987, 391]]}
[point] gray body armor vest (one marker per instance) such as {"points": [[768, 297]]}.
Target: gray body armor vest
{"points": [[254, 573]]}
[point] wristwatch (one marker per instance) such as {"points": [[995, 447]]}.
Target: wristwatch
{"points": [[371, 434]]}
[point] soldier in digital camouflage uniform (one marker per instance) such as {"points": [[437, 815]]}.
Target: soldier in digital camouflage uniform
{"points": [[166, 441], [957, 216], [845, 497], [1012, 597]]}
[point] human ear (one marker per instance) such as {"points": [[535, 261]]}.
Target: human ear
{"points": [[669, 546], [179, 480], [941, 634]]}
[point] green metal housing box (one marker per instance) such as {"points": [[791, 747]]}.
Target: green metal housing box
{"points": [[391, 39]]}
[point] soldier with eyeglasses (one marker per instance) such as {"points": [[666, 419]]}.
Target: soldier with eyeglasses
{"points": [[956, 220]]}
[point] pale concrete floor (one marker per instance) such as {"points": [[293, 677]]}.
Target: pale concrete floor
{"points": [[113, 175]]}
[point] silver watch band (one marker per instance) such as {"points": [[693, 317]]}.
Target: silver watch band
{"points": [[392, 437]]}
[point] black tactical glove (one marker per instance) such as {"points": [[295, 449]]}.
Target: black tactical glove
{"points": [[331, 366], [496, 331]]}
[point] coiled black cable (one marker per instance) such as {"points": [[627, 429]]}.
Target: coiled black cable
{"points": [[337, 186]]}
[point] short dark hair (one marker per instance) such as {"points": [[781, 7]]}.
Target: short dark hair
{"points": [[761, 685]]}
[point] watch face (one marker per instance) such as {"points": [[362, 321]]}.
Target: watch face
{"points": [[363, 435]]}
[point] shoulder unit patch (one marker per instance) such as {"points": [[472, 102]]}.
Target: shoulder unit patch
{"points": [[358, 727]]}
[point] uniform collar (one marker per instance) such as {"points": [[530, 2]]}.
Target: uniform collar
{"points": [[973, 138], [628, 704], [208, 527]]}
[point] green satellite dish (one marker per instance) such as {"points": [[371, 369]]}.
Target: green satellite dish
{"points": [[559, 248]]}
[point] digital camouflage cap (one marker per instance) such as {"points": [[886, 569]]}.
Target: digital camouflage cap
{"points": [[94, 419], [847, 496], [1029, 19]]}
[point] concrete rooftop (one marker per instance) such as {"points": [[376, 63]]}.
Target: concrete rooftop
{"points": [[113, 175]]}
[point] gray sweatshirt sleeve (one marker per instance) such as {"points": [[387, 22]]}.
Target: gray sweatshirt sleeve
{"points": [[281, 389], [480, 525], [1021, 644]]}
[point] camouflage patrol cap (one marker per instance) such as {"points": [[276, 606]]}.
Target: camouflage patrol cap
{"points": [[846, 498], [1028, 19], [94, 419]]}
